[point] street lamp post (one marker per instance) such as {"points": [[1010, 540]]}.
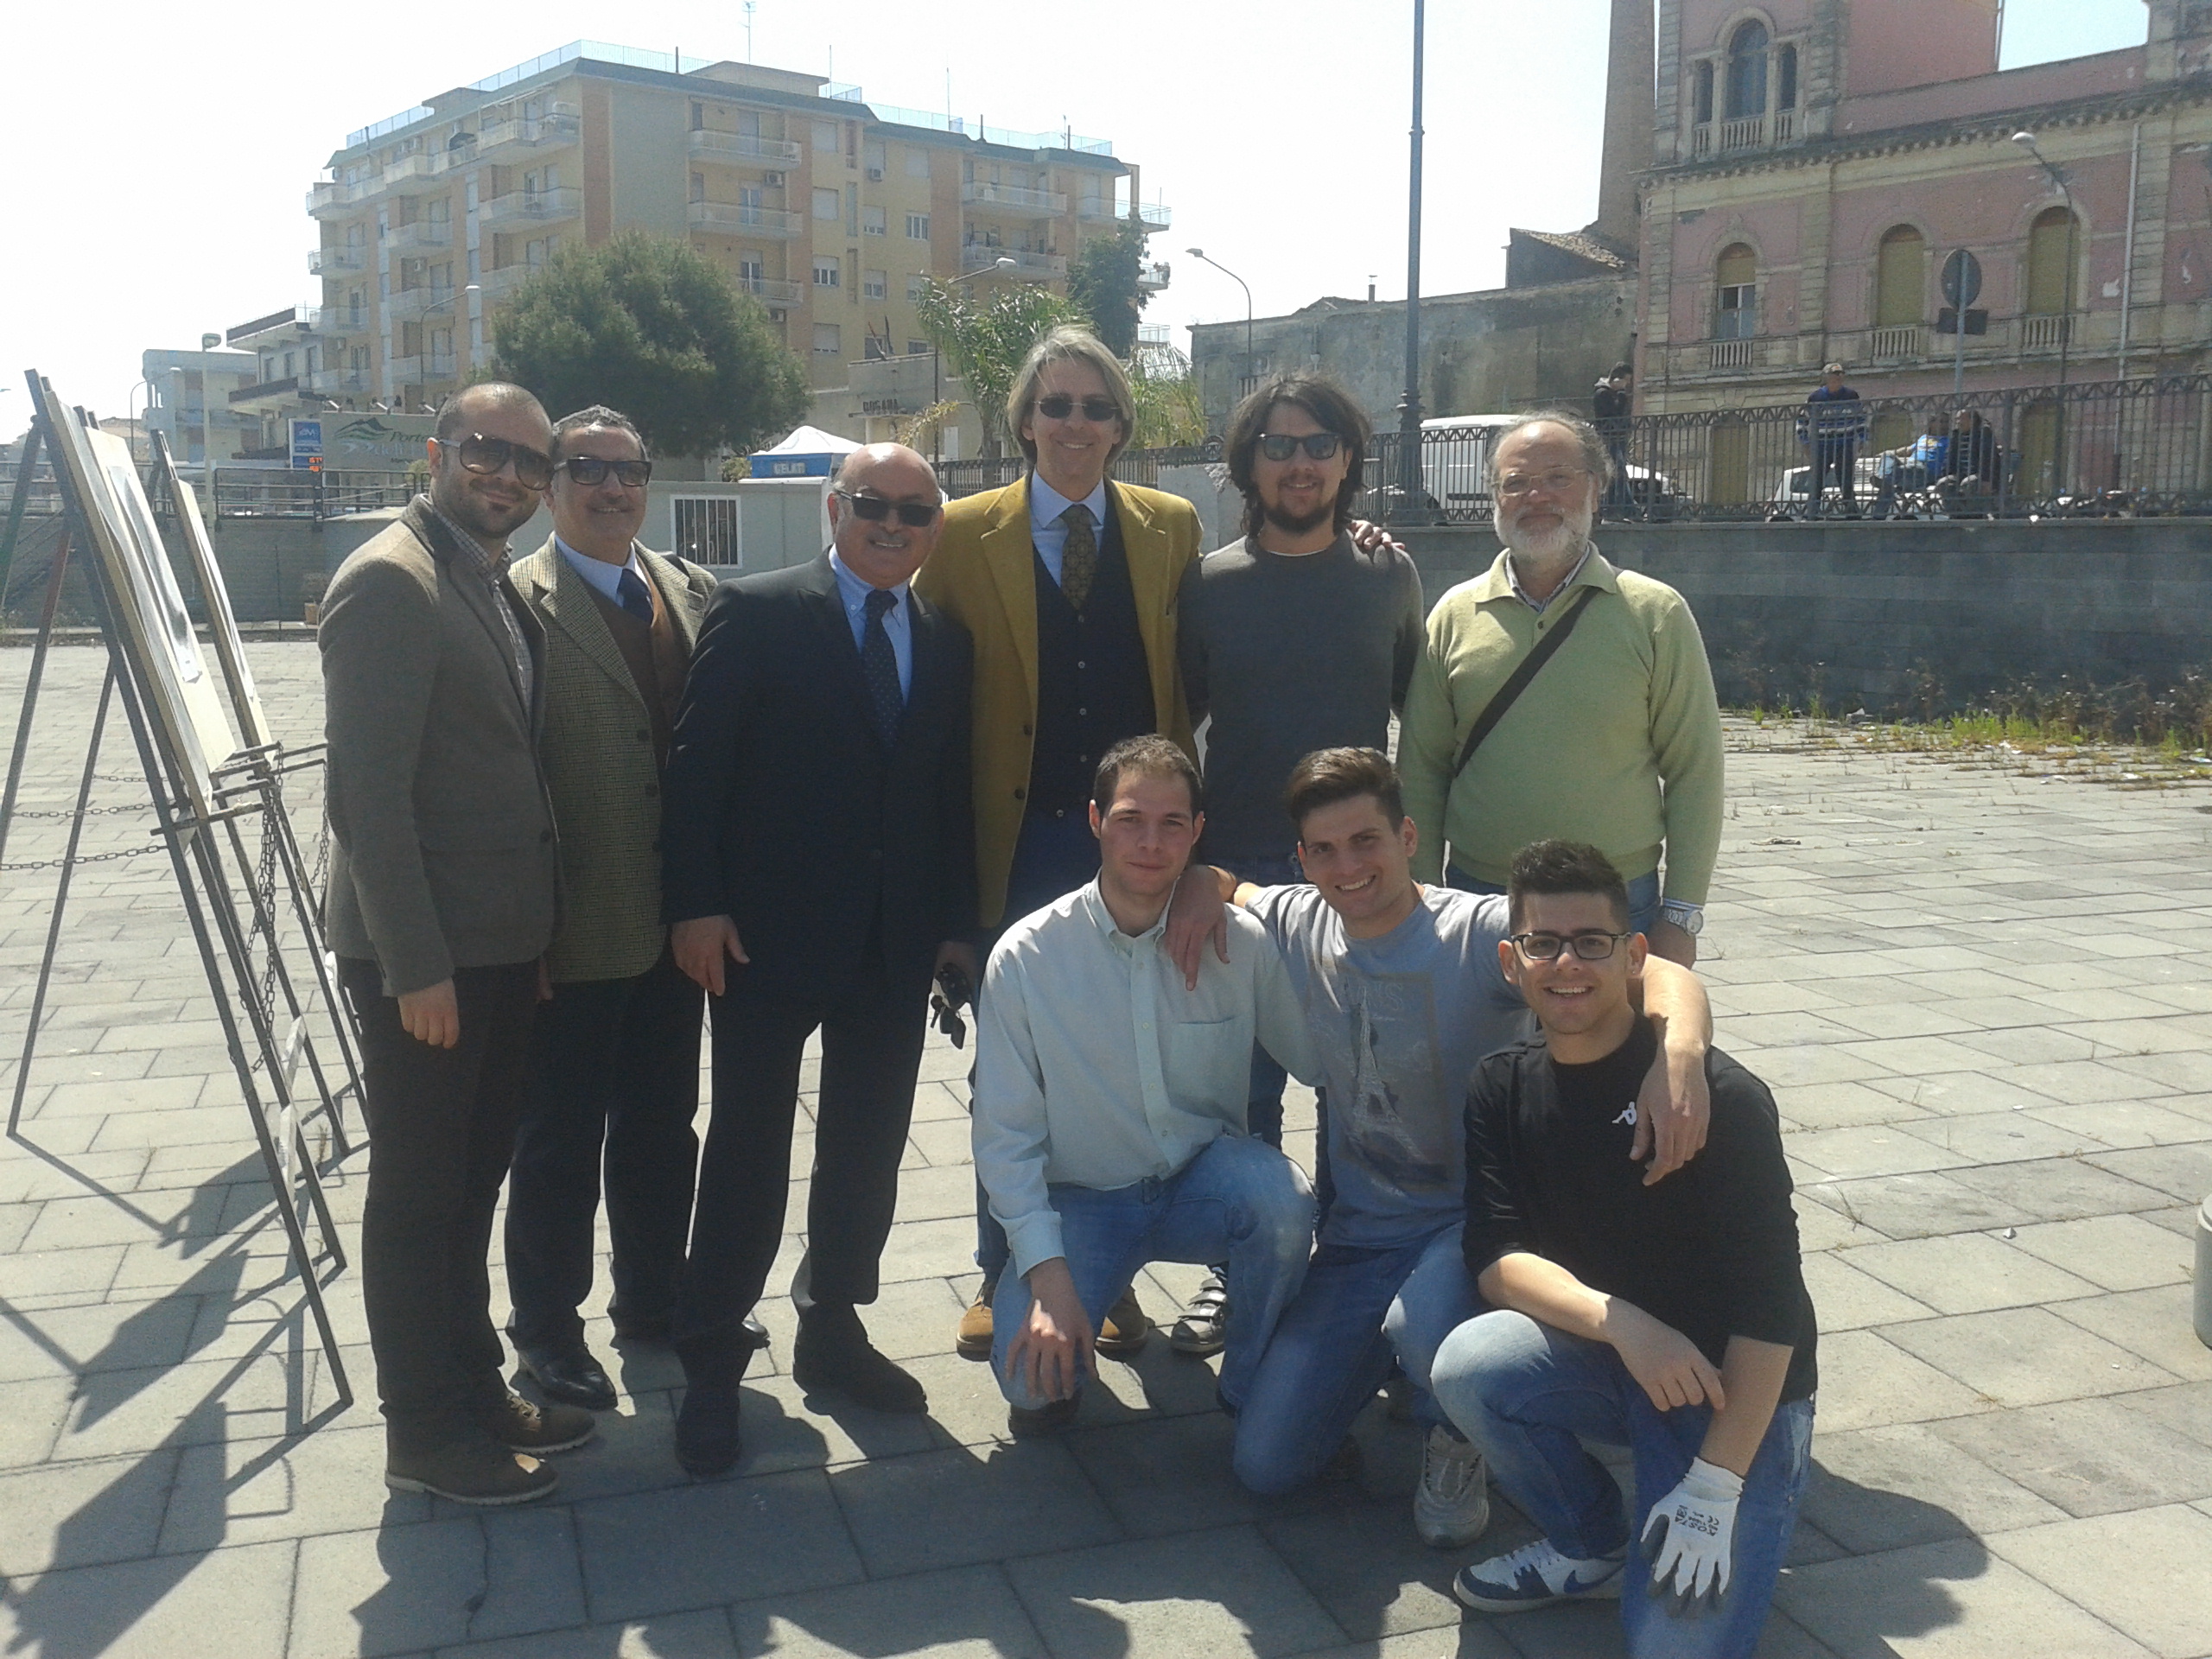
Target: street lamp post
{"points": [[2066, 307], [1410, 484], [1250, 359]]}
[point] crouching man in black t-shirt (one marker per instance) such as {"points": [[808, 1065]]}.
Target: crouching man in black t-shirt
{"points": [[1669, 1318]]}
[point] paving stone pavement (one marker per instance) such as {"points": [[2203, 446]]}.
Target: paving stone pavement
{"points": [[1984, 1002]]}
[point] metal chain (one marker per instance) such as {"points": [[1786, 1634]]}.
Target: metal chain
{"points": [[89, 812], [85, 858]]}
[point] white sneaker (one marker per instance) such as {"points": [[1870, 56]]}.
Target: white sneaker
{"points": [[1452, 1507], [1536, 1575]]}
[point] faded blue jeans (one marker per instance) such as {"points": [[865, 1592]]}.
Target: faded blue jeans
{"points": [[1333, 1348], [1237, 1201], [1523, 1391]]}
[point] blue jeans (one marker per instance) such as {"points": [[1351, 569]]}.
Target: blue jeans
{"points": [[1237, 1201], [1360, 1309], [1642, 895], [1054, 856], [1523, 1391], [1263, 1101]]}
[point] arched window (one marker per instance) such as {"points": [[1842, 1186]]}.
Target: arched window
{"points": [[1704, 92], [2050, 276], [1900, 277], [1747, 70], [1785, 78], [1735, 307]]}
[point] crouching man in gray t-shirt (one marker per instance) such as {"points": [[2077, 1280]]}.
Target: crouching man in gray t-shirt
{"points": [[1402, 994]]}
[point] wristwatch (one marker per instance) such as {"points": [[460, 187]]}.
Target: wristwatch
{"points": [[1689, 917]]}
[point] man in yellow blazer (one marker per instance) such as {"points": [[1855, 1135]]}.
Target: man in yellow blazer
{"points": [[1066, 581]]}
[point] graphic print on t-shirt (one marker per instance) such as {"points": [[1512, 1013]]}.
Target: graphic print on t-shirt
{"points": [[1395, 1120]]}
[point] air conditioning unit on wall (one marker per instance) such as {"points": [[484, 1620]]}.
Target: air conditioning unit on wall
{"points": [[773, 180]]}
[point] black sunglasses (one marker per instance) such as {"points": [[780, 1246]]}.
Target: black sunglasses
{"points": [[591, 469], [1282, 445], [1059, 406], [875, 509], [533, 467]]}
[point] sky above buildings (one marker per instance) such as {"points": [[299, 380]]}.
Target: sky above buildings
{"points": [[160, 166]]}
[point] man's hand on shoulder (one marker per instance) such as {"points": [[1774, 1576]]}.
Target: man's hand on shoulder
{"points": [[431, 1015], [701, 946], [1196, 916], [1673, 1108], [1369, 537]]}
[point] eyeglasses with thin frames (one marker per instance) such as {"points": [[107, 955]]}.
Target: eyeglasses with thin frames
{"points": [[1546, 947], [1058, 406], [1559, 482], [1282, 445], [875, 509], [488, 457]]}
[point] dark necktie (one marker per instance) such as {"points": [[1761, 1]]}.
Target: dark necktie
{"points": [[880, 666], [1079, 558], [631, 591]]}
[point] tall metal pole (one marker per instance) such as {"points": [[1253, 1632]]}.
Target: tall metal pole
{"points": [[1409, 477]]}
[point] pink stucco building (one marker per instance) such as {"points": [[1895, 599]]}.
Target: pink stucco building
{"points": [[1815, 161]]}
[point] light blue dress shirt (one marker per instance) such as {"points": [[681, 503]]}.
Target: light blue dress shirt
{"points": [[1047, 533], [607, 578], [896, 623]]}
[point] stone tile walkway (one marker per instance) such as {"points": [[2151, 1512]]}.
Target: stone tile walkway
{"points": [[1984, 1002]]}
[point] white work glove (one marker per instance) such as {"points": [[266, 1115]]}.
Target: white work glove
{"points": [[1689, 1536]]}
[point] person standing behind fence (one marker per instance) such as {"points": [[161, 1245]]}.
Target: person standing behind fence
{"points": [[1830, 430], [1066, 580], [1610, 405], [1616, 742]]}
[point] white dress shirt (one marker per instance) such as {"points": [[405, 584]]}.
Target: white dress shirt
{"points": [[607, 578], [1096, 1067], [1047, 533], [854, 593]]}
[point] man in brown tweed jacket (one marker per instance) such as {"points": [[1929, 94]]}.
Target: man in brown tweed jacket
{"points": [[614, 1056]]}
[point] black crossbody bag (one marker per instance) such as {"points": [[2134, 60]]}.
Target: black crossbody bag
{"points": [[1531, 665]]}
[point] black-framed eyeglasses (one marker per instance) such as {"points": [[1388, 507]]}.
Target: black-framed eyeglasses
{"points": [[1590, 947], [1282, 445], [589, 470], [875, 509], [491, 457], [1059, 406]]}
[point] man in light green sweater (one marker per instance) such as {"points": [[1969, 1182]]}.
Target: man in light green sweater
{"points": [[1617, 740]]}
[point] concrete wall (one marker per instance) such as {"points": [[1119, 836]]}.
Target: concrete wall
{"points": [[1911, 617]]}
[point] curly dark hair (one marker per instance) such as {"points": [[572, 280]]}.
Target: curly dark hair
{"points": [[1333, 410]]}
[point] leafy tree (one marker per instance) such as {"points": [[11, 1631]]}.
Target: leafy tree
{"points": [[1169, 411], [651, 326], [1102, 280], [985, 337]]}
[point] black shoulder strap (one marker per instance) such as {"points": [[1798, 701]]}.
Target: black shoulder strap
{"points": [[1531, 665]]}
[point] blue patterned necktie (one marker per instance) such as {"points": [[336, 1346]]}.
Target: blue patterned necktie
{"points": [[880, 666], [631, 594]]}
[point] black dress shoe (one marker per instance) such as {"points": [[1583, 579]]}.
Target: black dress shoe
{"points": [[834, 1356], [753, 1334], [568, 1377], [707, 1443]]}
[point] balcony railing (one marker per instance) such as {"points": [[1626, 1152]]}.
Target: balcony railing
{"points": [[730, 219], [335, 382], [2044, 334], [1729, 354], [507, 137], [770, 290], [337, 262], [1152, 278], [421, 368], [713, 146], [421, 233], [1026, 266], [1153, 215], [531, 207], [1746, 133], [1894, 341], [331, 200], [268, 392], [499, 284], [412, 302], [1014, 198], [413, 175]]}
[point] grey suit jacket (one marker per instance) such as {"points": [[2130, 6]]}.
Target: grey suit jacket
{"points": [[441, 827], [597, 746]]}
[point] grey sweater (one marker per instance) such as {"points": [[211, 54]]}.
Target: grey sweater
{"points": [[1287, 656]]}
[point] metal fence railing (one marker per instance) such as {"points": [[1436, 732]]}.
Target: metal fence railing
{"points": [[238, 492], [2100, 448]]}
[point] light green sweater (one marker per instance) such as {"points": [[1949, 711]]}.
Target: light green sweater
{"points": [[1616, 740]]}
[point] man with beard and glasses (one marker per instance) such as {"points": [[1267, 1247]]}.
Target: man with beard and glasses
{"points": [[1616, 741], [443, 898], [1292, 639]]}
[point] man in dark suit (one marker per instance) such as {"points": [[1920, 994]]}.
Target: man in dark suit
{"points": [[614, 1054], [819, 866], [443, 893]]}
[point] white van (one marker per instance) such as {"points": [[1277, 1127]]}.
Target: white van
{"points": [[1455, 461]]}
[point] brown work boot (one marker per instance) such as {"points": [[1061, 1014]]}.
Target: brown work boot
{"points": [[477, 1472], [522, 1425], [973, 1339], [1124, 1330]]}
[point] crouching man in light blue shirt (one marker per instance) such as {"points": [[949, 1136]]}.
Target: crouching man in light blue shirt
{"points": [[1110, 1102]]}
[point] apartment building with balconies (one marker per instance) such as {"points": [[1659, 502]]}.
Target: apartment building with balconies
{"points": [[1815, 164], [188, 403], [828, 210]]}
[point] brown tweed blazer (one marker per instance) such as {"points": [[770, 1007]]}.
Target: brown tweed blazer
{"points": [[597, 747]]}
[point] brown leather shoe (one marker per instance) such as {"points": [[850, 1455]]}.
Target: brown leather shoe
{"points": [[522, 1425], [973, 1339], [469, 1471], [1124, 1330]]}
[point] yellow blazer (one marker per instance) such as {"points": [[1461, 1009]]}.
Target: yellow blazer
{"points": [[983, 576]]}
